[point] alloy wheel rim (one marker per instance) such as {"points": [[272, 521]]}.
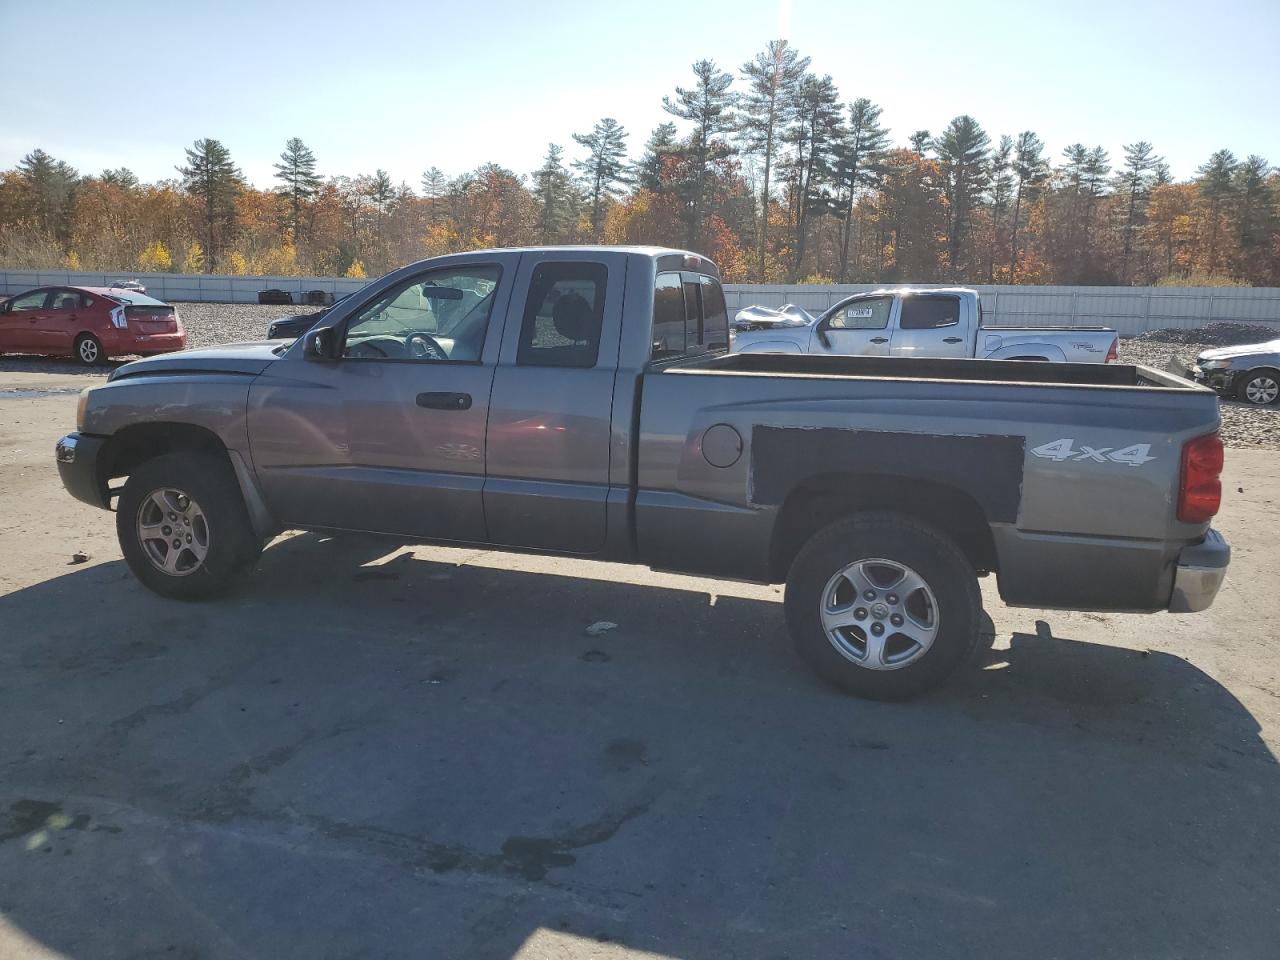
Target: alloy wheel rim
{"points": [[1262, 390], [879, 614], [88, 351], [173, 532]]}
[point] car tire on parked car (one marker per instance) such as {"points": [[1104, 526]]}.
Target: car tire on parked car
{"points": [[183, 527], [883, 606], [88, 350], [1259, 387]]}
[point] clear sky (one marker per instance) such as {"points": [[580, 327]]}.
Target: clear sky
{"points": [[404, 86]]}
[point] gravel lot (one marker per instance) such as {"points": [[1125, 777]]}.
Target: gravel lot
{"points": [[1242, 426]]}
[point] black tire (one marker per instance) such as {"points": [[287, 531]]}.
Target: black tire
{"points": [[1266, 384], [88, 350], [209, 482], [927, 552]]}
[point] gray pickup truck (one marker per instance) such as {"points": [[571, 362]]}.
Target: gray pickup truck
{"points": [[582, 401]]}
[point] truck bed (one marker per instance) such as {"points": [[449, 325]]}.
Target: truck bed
{"points": [[902, 368]]}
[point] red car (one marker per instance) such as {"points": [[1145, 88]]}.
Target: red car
{"points": [[89, 324]]}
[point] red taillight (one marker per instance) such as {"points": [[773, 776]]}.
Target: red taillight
{"points": [[1114, 353], [1200, 489]]}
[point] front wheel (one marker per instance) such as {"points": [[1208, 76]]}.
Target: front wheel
{"points": [[883, 606], [183, 527], [1260, 388]]}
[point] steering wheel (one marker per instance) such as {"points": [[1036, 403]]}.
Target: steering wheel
{"points": [[423, 346]]}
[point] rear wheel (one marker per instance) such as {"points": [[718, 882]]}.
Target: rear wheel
{"points": [[1260, 387], [88, 350], [183, 527], [883, 606]]}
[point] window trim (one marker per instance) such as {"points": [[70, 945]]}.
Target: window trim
{"points": [[602, 291], [373, 298]]}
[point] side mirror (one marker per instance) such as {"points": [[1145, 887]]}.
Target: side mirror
{"points": [[318, 344]]}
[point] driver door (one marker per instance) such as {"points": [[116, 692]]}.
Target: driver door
{"points": [[389, 437], [858, 328]]}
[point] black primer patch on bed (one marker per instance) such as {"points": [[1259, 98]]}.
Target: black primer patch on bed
{"points": [[987, 468]]}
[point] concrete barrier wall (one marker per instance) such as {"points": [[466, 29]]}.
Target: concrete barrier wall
{"points": [[1129, 310]]}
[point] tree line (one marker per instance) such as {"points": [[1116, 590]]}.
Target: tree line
{"points": [[767, 170]]}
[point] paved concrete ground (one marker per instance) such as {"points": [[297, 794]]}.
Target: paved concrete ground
{"points": [[422, 753]]}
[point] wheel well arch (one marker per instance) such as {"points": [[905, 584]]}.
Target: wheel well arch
{"points": [[1261, 368], [132, 446], [819, 501]]}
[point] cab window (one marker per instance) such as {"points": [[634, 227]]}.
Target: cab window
{"points": [[929, 313], [563, 315], [440, 316], [689, 316], [871, 313]]}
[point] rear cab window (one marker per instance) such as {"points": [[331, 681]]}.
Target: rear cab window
{"points": [[563, 315], [690, 317], [929, 312]]}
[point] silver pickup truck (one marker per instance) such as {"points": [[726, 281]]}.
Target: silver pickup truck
{"points": [[582, 401], [904, 322]]}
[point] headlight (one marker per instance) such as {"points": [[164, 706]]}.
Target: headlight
{"points": [[1214, 364], [81, 405]]}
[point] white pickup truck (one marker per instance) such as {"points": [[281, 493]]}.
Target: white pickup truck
{"points": [[914, 323]]}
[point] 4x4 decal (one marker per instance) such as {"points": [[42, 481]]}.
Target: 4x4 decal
{"points": [[1134, 455]]}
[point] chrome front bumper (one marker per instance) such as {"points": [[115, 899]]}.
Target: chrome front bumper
{"points": [[1201, 569]]}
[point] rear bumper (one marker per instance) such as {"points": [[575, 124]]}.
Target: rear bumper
{"points": [[122, 342], [1201, 569], [77, 455]]}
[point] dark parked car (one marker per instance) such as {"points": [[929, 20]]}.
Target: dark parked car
{"points": [[1250, 373], [297, 325], [275, 296]]}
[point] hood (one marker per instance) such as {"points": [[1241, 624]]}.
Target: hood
{"points": [[766, 318], [1228, 353], [243, 358]]}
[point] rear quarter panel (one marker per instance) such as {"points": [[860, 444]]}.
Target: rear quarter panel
{"points": [[1075, 531]]}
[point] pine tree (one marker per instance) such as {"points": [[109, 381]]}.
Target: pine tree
{"points": [[857, 164], [707, 104], [1030, 171], [962, 158], [1140, 173], [920, 142], [1217, 182], [49, 187], [1257, 212], [1001, 167], [814, 135], [381, 192], [553, 190], [121, 177], [434, 187], [297, 172], [660, 145], [772, 81], [212, 178], [605, 167]]}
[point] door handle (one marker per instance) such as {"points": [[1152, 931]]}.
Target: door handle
{"points": [[445, 401], [951, 339], [879, 339]]}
